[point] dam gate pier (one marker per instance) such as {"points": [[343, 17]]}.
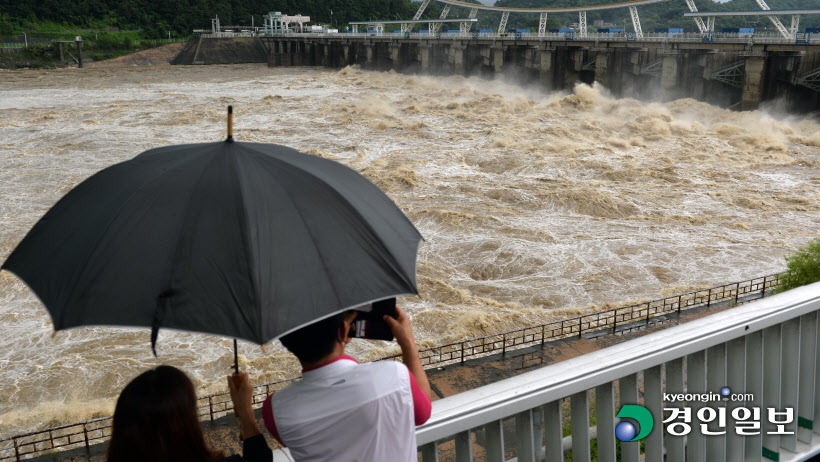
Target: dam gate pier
{"points": [[739, 75]]}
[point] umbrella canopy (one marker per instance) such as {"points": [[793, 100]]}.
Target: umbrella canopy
{"points": [[245, 240]]}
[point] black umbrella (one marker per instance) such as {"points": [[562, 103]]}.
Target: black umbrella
{"points": [[245, 240]]}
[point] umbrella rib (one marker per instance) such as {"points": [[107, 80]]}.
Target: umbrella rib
{"points": [[187, 208], [392, 261], [114, 216], [304, 223], [249, 257], [315, 246]]}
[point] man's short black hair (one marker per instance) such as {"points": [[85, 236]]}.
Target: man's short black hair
{"points": [[315, 341]]}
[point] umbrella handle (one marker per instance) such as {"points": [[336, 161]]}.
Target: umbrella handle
{"points": [[230, 125], [235, 358]]}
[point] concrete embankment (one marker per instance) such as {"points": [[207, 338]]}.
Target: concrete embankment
{"points": [[150, 57], [233, 50]]}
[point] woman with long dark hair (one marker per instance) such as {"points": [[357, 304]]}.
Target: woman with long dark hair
{"points": [[156, 420]]}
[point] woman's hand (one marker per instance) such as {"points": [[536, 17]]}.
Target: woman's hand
{"points": [[242, 397]]}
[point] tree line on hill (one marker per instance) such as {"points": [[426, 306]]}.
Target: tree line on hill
{"points": [[155, 17]]}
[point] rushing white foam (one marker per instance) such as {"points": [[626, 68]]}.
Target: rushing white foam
{"points": [[534, 205]]}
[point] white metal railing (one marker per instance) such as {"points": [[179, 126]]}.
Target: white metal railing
{"points": [[767, 348], [689, 37]]}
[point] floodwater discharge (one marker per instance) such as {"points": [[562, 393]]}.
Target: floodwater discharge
{"points": [[534, 206]]}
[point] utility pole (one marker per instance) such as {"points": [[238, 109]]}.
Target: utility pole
{"points": [[25, 38], [79, 41]]}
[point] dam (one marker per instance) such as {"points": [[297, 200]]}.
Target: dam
{"points": [[739, 69], [741, 75]]}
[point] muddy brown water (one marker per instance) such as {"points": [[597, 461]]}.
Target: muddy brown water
{"points": [[535, 206]]}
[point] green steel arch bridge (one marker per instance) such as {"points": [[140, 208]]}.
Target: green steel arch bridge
{"points": [[632, 5]]}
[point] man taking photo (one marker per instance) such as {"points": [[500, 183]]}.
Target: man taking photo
{"points": [[345, 411]]}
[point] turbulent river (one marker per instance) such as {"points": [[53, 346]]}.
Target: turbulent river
{"points": [[534, 206]]}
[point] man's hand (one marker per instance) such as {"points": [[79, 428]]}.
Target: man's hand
{"points": [[400, 326]]}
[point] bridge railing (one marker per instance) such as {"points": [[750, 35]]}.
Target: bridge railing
{"points": [[689, 37], [765, 356]]}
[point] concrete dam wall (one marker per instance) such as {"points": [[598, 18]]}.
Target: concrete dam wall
{"points": [[735, 75]]}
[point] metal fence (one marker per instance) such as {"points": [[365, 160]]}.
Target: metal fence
{"points": [[157, 42], [615, 320], [689, 37], [766, 352], [612, 321]]}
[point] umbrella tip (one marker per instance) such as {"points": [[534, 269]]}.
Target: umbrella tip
{"points": [[230, 125]]}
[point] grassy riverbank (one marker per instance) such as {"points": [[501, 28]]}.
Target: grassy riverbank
{"points": [[40, 55], [34, 44]]}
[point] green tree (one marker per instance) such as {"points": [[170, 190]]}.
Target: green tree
{"points": [[803, 267], [7, 25]]}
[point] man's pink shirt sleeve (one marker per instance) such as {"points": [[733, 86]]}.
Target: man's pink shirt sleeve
{"points": [[267, 418], [421, 402]]}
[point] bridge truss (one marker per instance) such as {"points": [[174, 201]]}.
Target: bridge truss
{"points": [[705, 27], [779, 25], [811, 80], [731, 74], [791, 33], [542, 23]]}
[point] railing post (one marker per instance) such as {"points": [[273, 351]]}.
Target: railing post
{"points": [[709, 298], [462, 352], [605, 411], [543, 329], [464, 447], [429, 452], [580, 326], [525, 437], [503, 345], [647, 314], [495, 441], [211, 407], [16, 450], [763, 289], [614, 321], [679, 302], [579, 418], [737, 292], [85, 437]]}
